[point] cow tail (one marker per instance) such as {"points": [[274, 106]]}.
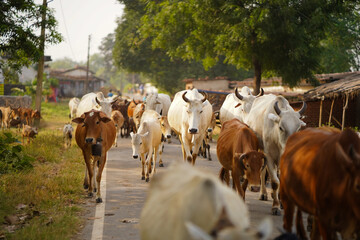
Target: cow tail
{"points": [[222, 174]]}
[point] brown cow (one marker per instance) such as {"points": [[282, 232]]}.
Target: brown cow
{"points": [[237, 151], [25, 116], [118, 119], [320, 174], [131, 107], [122, 106], [95, 134], [15, 117]]}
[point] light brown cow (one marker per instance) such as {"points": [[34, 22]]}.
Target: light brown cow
{"points": [[95, 134], [5, 117], [131, 108], [237, 151], [320, 174], [29, 133], [118, 119]]}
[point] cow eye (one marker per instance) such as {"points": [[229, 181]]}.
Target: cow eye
{"points": [[97, 122], [247, 166], [162, 125], [281, 129], [140, 143], [201, 111], [83, 125]]}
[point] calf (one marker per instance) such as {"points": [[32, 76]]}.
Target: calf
{"points": [[320, 174], [29, 133], [186, 203], [5, 117], [95, 134], [237, 151], [67, 133], [118, 119], [147, 141]]}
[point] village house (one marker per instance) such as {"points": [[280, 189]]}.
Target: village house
{"points": [[71, 81]]}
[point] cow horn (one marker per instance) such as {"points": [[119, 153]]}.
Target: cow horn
{"points": [[277, 109], [261, 92], [303, 108], [97, 100], [205, 96], [185, 98], [238, 95]]}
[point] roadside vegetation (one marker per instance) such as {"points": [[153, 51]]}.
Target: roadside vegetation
{"points": [[40, 183]]}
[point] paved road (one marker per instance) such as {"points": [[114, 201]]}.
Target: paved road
{"points": [[126, 193]]}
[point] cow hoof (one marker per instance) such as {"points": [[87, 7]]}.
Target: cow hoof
{"points": [[95, 189], [263, 197], [142, 178], [99, 200], [152, 163], [90, 194], [147, 179], [210, 159], [276, 212], [86, 186], [161, 165], [150, 171]]}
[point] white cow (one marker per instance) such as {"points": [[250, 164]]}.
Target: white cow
{"points": [[73, 105], [67, 133], [185, 203], [147, 141], [158, 102], [238, 105], [273, 120], [95, 101], [189, 116]]}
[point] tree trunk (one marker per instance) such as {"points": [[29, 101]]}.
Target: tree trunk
{"points": [[257, 78]]}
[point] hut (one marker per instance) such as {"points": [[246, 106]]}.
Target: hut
{"points": [[336, 102]]}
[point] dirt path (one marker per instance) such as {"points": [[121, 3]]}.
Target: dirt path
{"points": [[126, 193]]}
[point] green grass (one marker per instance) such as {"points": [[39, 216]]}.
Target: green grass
{"points": [[52, 189]]}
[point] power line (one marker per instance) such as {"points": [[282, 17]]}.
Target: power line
{"points": [[67, 33]]}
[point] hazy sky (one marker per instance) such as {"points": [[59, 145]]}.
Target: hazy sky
{"points": [[82, 18]]}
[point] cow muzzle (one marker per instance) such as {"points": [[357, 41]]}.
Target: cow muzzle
{"points": [[209, 130], [89, 140], [193, 130], [255, 188], [135, 156], [168, 136]]}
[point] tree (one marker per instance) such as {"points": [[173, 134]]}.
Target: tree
{"points": [[64, 63], [279, 37], [19, 25], [135, 54]]}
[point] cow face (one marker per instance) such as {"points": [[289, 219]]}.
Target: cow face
{"points": [[15, 114], [35, 114], [245, 99], [68, 129], [286, 122], [165, 127], [91, 121], [194, 109], [137, 143], [253, 163], [104, 105]]}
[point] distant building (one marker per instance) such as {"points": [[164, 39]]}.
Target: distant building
{"points": [[71, 81]]}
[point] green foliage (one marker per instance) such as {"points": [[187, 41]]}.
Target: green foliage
{"points": [[281, 37], [20, 22], [12, 157], [64, 63]]}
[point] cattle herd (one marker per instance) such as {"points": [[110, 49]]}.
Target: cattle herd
{"points": [[310, 170]]}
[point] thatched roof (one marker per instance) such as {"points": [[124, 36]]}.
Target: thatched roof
{"points": [[339, 84]]}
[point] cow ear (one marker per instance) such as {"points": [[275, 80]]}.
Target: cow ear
{"points": [[239, 157], [302, 123], [273, 117], [196, 232], [343, 158], [78, 120]]}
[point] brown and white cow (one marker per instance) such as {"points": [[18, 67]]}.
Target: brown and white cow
{"points": [[320, 175], [15, 117], [95, 134], [29, 133], [237, 151], [138, 112], [118, 119], [67, 134], [5, 117]]}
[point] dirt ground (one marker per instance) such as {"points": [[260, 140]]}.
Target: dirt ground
{"points": [[126, 194]]}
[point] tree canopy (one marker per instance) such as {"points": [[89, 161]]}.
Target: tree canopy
{"points": [[20, 22], [281, 37]]}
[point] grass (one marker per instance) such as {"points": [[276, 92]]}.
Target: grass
{"points": [[51, 192]]}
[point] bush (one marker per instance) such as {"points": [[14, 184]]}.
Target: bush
{"points": [[12, 156]]}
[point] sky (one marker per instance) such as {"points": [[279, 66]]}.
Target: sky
{"points": [[77, 19]]}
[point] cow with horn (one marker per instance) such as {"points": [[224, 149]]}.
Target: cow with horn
{"points": [[189, 117]]}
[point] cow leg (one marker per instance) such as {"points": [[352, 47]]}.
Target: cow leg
{"points": [[186, 145], [161, 164], [289, 209], [275, 187], [224, 176], [300, 225], [198, 142], [86, 179], [102, 161], [142, 166], [148, 162], [91, 175], [95, 170], [236, 183], [263, 192], [208, 148]]}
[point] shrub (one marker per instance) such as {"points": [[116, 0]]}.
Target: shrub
{"points": [[12, 156]]}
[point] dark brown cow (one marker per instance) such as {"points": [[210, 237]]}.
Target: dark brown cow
{"points": [[320, 174], [15, 117], [237, 151], [122, 106], [95, 134]]}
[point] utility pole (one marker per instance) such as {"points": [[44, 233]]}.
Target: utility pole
{"points": [[86, 85], [40, 72]]}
